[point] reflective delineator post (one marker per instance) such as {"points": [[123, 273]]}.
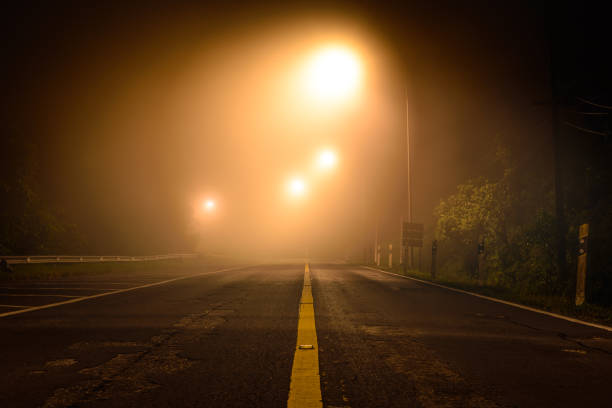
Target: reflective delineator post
{"points": [[583, 236]]}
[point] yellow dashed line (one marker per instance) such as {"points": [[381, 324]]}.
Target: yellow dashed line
{"points": [[305, 388]]}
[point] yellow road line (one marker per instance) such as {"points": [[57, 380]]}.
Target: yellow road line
{"points": [[305, 388]]}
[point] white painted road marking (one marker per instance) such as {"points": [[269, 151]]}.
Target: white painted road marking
{"points": [[80, 299], [34, 288], [505, 302], [36, 294]]}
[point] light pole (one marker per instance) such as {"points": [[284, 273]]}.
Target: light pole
{"points": [[334, 74], [407, 250]]}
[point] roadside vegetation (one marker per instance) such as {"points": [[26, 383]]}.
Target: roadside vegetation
{"points": [[28, 224], [496, 235]]}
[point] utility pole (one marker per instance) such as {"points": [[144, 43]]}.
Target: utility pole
{"points": [[560, 224]]}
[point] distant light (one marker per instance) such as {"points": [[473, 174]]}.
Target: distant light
{"points": [[208, 205], [333, 73], [327, 159], [297, 187]]}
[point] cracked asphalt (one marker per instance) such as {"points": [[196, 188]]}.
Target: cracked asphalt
{"points": [[227, 339]]}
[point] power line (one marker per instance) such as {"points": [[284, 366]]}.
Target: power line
{"points": [[585, 130], [594, 104]]}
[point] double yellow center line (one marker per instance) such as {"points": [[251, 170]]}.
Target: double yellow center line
{"points": [[305, 388]]}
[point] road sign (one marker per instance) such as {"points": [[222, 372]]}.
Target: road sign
{"points": [[412, 234]]}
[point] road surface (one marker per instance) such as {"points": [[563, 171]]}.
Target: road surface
{"points": [[227, 338]]}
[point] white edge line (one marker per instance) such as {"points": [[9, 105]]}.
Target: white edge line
{"points": [[35, 295], [80, 299], [505, 302], [16, 288], [17, 306]]}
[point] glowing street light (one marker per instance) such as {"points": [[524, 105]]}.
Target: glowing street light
{"points": [[334, 73], [326, 159], [296, 187], [208, 205]]}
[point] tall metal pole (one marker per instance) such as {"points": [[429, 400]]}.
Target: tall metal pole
{"points": [[409, 171]]}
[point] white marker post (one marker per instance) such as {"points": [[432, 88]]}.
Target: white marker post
{"points": [[583, 236]]}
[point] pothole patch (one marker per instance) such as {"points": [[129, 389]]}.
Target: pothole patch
{"points": [[136, 371], [66, 362], [575, 351], [106, 344]]}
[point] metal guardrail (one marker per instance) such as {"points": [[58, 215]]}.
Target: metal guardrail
{"points": [[90, 258]]}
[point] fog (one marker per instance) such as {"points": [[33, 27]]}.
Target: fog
{"points": [[142, 116], [148, 136]]}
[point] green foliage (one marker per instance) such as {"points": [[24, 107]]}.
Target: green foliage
{"points": [[516, 227], [27, 224]]}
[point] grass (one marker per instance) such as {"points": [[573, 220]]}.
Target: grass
{"points": [[61, 270], [555, 304]]}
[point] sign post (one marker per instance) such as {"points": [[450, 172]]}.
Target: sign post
{"points": [[481, 269], [434, 252], [412, 237]]}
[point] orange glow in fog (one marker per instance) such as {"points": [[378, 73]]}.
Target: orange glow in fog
{"points": [[333, 73]]}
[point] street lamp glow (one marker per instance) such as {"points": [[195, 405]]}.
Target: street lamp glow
{"points": [[297, 187], [327, 159], [333, 73], [208, 205]]}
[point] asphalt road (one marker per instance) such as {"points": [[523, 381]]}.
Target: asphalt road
{"points": [[227, 339]]}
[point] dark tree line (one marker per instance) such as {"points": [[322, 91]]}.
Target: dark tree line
{"points": [[513, 212], [526, 219], [28, 223]]}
